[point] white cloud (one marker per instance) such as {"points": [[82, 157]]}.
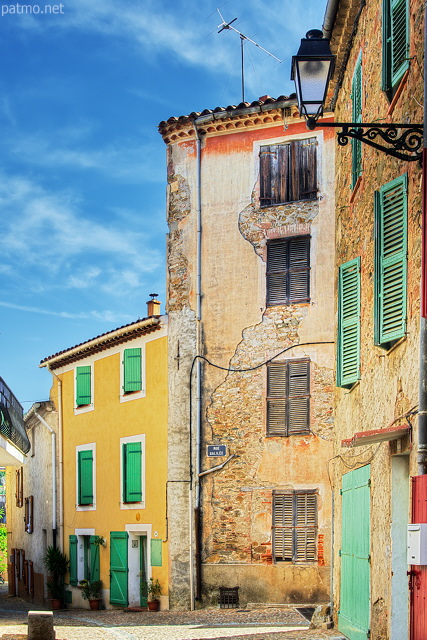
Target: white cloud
{"points": [[107, 316]]}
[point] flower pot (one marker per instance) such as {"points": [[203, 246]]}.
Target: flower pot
{"points": [[153, 605], [55, 603], [94, 604]]}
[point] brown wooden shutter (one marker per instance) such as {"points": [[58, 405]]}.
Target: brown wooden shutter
{"points": [[29, 514], [298, 413], [283, 527], [288, 271], [305, 527], [276, 399], [294, 526]]}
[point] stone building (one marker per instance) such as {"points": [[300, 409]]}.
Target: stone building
{"points": [[378, 78], [33, 505], [250, 209]]}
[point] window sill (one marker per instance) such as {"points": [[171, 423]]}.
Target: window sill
{"points": [[132, 395], [394, 346], [399, 90], [355, 189], [132, 505], [85, 408]]}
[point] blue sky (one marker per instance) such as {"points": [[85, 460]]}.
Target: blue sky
{"points": [[82, 165]]}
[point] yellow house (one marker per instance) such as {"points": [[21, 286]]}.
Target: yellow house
{"points": [[111, 393]]}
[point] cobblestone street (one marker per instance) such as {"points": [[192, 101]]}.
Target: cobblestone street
{"points": [[239, 624]]}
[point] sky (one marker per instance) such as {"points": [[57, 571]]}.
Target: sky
{"points": [[83, 87]]}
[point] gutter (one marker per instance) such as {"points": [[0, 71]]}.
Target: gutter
{"points": [[329, 19]]}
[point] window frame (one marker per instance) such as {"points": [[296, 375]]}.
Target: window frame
{"points": [[348, 338], [277, 402], [280, 181], [140, 504], [126, 396], [79, 449], [386, 267], [283, 276], [291, 511]]}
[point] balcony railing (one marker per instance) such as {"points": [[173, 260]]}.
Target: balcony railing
{"points": [[12, 419]]}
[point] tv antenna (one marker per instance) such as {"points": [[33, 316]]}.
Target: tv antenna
{"points": [[227, 25]]}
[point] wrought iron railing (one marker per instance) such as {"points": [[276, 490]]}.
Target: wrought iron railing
{"points": [[12, 425]]}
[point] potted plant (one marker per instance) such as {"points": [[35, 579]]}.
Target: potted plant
{"points": [[154, 591], [91, 590], [56, 563]]}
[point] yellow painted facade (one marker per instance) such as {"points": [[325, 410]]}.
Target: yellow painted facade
{"points": [[103, 426]]}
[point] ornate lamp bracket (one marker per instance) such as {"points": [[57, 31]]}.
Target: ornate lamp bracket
{"points": [[403, 141]]}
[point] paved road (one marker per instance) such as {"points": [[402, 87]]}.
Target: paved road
{"points": [[207, 624]]}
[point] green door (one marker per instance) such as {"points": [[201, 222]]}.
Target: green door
{"points": [[354, 613], [119, 568], [143, 571]]}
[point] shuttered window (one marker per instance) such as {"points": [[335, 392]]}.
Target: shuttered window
{"points": [[288, 398], [390, 261], [73, 560], [29, 514], [132, 370], [83, 386], [19, 491], [395, 42], [294, 526], [348, 347], [288, 172], [85, 477], [288, 270], [132, 472], [356, 145]]}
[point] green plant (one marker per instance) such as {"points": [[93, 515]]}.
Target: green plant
{"points": [[154, 589], [3, 545], [91, 590], [56, 563]]}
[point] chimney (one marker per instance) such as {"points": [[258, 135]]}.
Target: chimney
{"points": [[153, 306]]}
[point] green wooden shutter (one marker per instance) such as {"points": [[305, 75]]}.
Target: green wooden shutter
{"points": [[395, 42], [132, 360], [85, 477], [83, 385], [348, 348], [156, 552], [119, 568], [94, 572], [73, 560], [356, 145], [132, 472], [390, 261]]}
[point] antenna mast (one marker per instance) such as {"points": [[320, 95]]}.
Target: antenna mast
{"points": [[227, 25]]}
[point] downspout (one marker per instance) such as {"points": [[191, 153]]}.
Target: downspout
{"points": [[61, 461], [44, 423], [422, 398], [329, 19]]}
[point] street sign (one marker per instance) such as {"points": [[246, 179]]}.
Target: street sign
{"points": [[216, 450]]}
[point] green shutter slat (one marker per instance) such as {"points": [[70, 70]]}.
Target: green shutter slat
{"points": [[85, 477], [132, 359], [73, 560], [132, 467], [119, 568], [391, 261], [94, 559], [156, 552], [83, 385], [348, 350]]}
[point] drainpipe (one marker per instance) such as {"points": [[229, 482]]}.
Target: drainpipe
{"points": [[52, 433], [422, 398], [61, 461], [329, 19]]}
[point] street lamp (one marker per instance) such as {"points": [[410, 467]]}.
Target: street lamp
{"points": [[312, 69]]}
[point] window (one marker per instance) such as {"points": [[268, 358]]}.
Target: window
{"points": [[395, 42], [356, 145], [84, 558], [288, 270], [288, 172], [294, 526], [390, 262], [83, 386], [348, 346], [288, 398], [29, 514], [19, 487], [85, 477], [132, 370], [132, 472]]}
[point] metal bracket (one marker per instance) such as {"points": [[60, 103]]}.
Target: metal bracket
{"points": [[405, 140]]}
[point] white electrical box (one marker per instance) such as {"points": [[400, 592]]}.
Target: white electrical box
{"points": [[417, 543]]}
